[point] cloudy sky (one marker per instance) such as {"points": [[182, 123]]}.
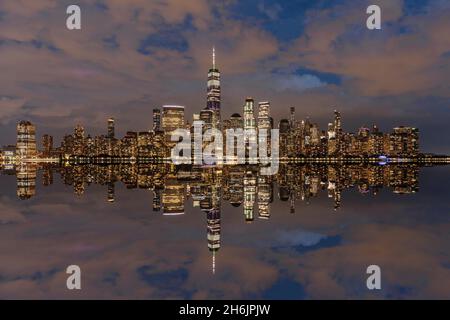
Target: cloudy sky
{"points": [[131, 56]]}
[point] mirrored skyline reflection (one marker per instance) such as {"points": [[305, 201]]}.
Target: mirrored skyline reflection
{"points": [[182, 232]]}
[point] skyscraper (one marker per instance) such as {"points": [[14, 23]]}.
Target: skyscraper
{"points": [[111, 128], [249, 117], [172, 118], [292, 117], [337, 122], [263, 116], [338, 130], [26, 140], [213, 233], [207, 116], [264, 124], [156, 120], [213, 92], [78, 140]]}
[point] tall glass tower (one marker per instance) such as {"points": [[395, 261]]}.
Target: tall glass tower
{"points": [[213, 92]]}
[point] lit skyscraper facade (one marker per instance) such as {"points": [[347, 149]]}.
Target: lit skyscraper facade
{"points": [[213, 234], [249, 117], [264, 123], [213, 93], [264, 116], [156, 120], [207, 116], [26, 180], [26, 140], [172, 118], [111, 129]]}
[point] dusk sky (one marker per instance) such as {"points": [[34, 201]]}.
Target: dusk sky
{"points": [[132, 56]]}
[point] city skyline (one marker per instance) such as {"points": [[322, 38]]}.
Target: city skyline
{"points": [[59, 79], [297, 138]]}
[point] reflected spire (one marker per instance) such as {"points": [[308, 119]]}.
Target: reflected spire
{"points": [[214, 262]]}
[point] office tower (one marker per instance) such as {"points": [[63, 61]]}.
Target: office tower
{"points": [[47, 145], [172, 118], [236, 121], [250, 130], [284, 128], [111, 128], [213, 92], [263, 116], [249, 117], [314, 133], [376, 141], [78, 140], [264, 124], [404, 141], [26, 140], [130, 144], [337, 122], [292, 117], [67, 144], [156, 120], [144, 144], [78, 132]]}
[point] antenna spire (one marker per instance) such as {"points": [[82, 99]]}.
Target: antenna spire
{"points": [[214, 57]]}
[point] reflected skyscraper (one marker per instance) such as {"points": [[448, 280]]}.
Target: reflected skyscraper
{"points": [[249, 196], [26, 180], [213, 233], [47, 145], [111, 192], [172, 199]]}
